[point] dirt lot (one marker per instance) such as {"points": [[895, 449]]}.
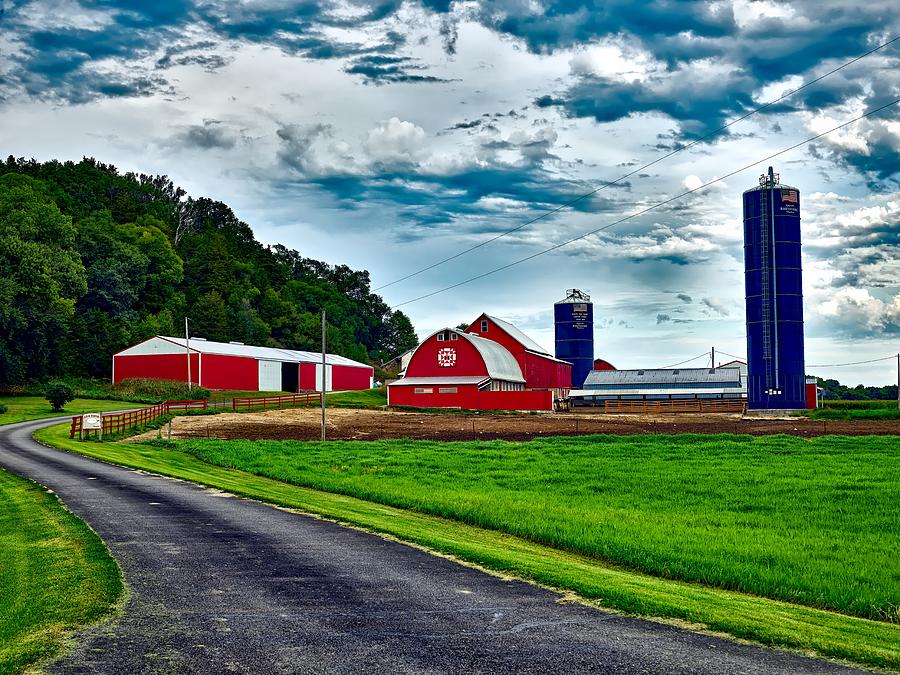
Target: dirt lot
{"points": [[305, 424]]}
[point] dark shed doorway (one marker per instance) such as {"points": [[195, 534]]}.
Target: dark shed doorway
{"points": [[290, 377]]}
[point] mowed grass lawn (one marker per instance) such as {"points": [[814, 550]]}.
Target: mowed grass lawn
{"points": [[812, 522], [22, 408], [55, 574]]}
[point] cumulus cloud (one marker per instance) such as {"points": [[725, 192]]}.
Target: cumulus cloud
{"points": [[714, 306], [395, 141], [856, 312]]}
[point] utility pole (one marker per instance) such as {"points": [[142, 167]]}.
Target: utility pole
{"points": [[187, 349], [713, 352], [324, 366], [898, 381]]}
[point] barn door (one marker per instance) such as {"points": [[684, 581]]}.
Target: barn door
{"points": [[270, 375], [319, 377], [290, 377]]}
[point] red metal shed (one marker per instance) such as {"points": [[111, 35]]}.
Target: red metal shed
{"points": [[234, 365]]}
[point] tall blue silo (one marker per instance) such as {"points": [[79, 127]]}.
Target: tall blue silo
{"points": [[776, 378], [573, 320]]}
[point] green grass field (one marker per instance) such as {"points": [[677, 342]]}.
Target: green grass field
{"points": [[812, 522], [663, 487], [853, 414], [55, 574], [21, 408], [859, 405]]}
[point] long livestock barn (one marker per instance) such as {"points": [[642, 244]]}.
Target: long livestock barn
{"points": [[490, 366], [234, 365], [656, 384]]}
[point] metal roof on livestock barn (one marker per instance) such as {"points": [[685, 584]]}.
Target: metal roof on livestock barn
{"points": [[662, 376]]}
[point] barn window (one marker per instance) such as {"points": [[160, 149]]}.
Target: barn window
{"points": [[454, 336], [484, 326], [447, 390], [440, 337], [424, 390]]}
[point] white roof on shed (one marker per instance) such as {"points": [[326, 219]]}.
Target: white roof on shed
{"points": [[665, 377], [161, 344]]}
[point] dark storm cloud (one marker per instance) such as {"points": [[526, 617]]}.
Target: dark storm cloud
{"points": [[563, 24], [211, 134], [424, 198], [807, 43], [381, 68], [57, 63], [684, 297], [662, 318]]}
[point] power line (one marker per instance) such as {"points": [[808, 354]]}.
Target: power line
{"points": [[641, 168], [734, 356], [683, 362], [852, 363], [645, 210]]}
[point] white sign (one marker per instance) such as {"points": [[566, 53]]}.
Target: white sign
{"points": [[91, 421]]}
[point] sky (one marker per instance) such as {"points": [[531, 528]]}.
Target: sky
{"points": [[389, 135]]}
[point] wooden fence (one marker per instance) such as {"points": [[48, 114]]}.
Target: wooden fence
{"points": [[700, 405], [275, 401], [119, 422]]}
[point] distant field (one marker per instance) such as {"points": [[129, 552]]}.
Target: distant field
{"points": [[21, 408], [860, 405], [806, 521], [853, 414], [55, 574]]}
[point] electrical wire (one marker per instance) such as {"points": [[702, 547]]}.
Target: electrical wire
{"points": [[734, 356], [645, 210], [852, 363], [639, 169], [688, 361]]}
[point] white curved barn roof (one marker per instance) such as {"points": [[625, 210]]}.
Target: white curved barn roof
{"points": [[501, 365]]}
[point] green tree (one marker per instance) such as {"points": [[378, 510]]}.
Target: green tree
{"points": [[59, 394], [41, 277], [209, 317]]}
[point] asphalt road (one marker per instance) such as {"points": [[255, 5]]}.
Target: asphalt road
{"points": [[221, 584]]}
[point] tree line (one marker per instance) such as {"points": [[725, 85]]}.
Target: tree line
{"points": [[93, 260], [837, 391]]}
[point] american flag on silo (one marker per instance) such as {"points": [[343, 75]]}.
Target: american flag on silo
{"points": [[789, 196]]}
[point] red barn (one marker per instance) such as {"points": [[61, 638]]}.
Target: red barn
{"points": [[540, 368], [603, 364], [503, 370], [234, 365]]}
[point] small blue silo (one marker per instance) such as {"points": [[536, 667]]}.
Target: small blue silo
{"points": [[776, 377], [573, 320]]}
